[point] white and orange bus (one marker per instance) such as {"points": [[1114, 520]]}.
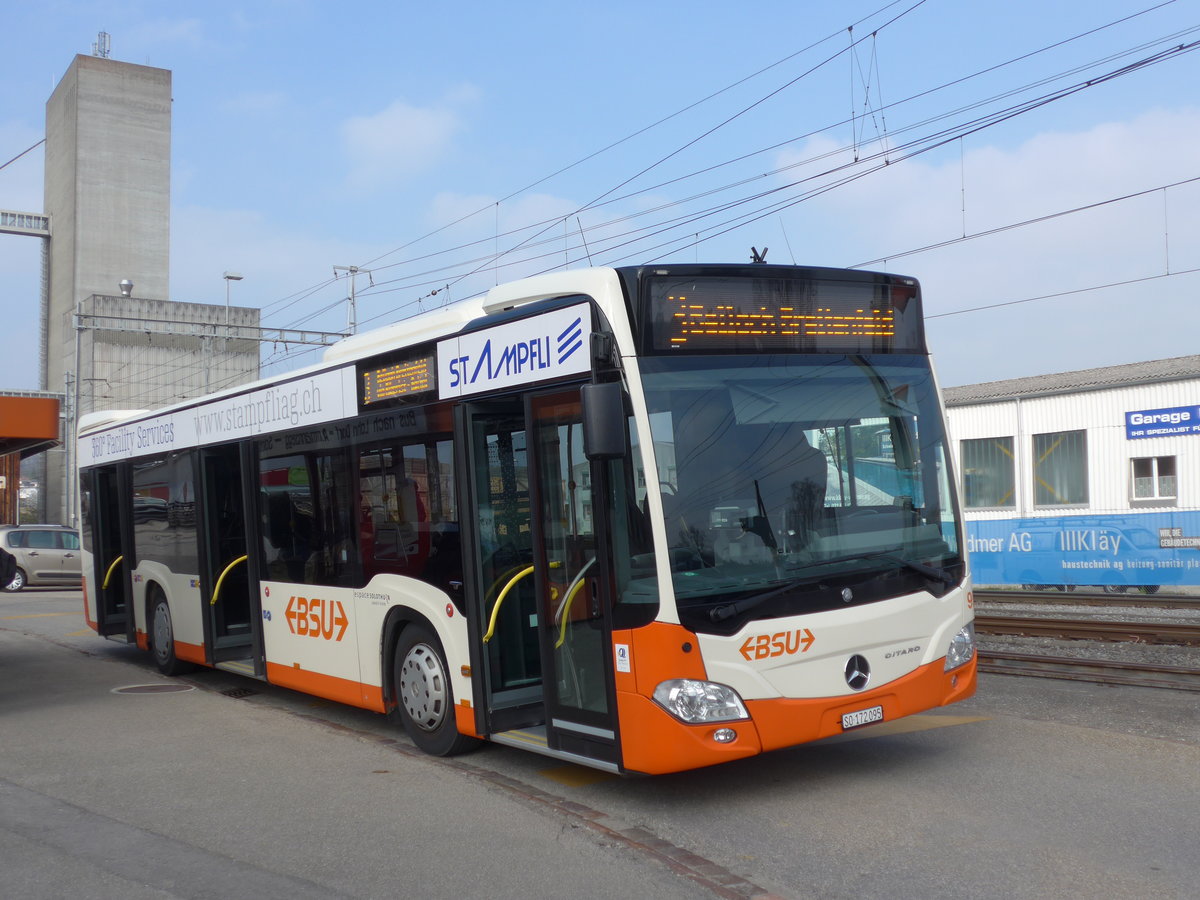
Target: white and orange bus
{"points": [[645, 519]]}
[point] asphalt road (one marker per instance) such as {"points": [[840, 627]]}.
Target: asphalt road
{"points": [[1034, 788]]}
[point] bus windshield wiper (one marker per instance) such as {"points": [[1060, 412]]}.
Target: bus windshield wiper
{"points": [[729, 610]]}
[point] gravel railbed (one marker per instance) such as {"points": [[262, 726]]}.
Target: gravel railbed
{"points": [[1118, 651]]}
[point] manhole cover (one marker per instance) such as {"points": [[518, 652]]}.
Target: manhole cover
{"points": [[153, 689], [239, 693]]}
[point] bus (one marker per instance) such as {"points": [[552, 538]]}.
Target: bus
{"points": [[645, 519]]}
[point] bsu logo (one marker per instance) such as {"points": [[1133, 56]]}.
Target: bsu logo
{"points": [[764, 646], [317, 618]]}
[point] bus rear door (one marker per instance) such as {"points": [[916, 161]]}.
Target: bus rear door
{"points": [[108, 524], [229, 568]]}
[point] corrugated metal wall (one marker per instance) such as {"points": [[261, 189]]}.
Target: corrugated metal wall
{"points": [[1101, 414]]}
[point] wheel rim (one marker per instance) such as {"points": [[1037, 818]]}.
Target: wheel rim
{"points": [[423, 687], [162, 632], [18, 581]]}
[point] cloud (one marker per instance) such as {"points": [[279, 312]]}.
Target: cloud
{"points": [[279, 265], [403, 140], [925, 201]]}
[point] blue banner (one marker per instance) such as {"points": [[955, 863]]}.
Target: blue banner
{"points": [[1128, 549], [1148, 423]]}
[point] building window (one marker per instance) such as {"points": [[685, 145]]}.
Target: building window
{"points": [[1060, 476], [987, 466], [1153, 478]]}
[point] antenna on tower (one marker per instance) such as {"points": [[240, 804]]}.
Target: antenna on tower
{"points": [[103, 45]]}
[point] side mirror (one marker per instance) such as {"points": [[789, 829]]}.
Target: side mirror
{"points": [[604, 421]]}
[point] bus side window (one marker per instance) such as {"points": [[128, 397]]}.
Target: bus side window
{"points": [[407, 513], [307, 527]]}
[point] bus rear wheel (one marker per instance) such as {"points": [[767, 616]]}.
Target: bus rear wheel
{"points": [[162, 637], [424, 695]]}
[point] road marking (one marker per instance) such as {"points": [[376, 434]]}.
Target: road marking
{"points": [[906, 725], [39, 615], [80, 633], [576, 776]]}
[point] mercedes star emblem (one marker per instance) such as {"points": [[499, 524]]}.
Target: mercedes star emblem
{"points": [[858, 672]]}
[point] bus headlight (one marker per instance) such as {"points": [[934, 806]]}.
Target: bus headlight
{"points": [[962, 647], [696, 702]]}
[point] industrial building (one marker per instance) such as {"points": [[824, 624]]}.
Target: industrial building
{"points": [[111, 336], [1083, 478]]}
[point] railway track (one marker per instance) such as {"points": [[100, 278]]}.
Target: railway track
{"points": [[1093, 670], [1060, 598], [1141, 632]]}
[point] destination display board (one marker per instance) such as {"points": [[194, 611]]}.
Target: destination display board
{"points": [[738, 314], [397, 380]]}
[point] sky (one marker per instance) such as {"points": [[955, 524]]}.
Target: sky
{"points": [[1032, 164]]}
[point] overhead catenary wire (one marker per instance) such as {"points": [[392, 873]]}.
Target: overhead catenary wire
{"points": [[22, 153], [1060, 294], [1087, 83], [1000, 229], [722, 124], [614, 243], [661, 121], [915, 147]]}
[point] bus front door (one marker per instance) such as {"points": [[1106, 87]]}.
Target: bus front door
{"points": [[232, 626], [106, 507], [543, 626], [504, 604]]}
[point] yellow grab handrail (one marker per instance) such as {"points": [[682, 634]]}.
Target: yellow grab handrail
{"points": [[217, 589], [107, 575], [504, 593], [562, 628], [563, 615]]}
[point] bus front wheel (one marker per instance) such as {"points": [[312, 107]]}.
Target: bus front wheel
{"points": [[424, 694]]}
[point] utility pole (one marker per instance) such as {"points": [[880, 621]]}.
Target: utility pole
{"points": [[352, 309]]}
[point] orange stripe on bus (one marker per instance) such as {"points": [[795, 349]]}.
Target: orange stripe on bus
{"points": [[655, 742], [190, 652], [87, 613], [464, 718], [342, 690], [784, 723], [658, 654]]}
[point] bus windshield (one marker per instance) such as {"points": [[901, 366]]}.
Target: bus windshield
{"points": [[797, 483]]}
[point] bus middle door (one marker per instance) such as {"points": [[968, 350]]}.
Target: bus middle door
{"points": [[535, 598]]}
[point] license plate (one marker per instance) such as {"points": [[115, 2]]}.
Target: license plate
{"points": [[862, 717]]}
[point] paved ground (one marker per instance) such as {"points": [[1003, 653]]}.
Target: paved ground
{"points": [[1034, 788]]}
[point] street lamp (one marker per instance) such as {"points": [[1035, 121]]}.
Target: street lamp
{"points": [[229, 276]]}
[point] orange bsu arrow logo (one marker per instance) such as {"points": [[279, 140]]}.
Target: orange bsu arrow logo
{"points": [[317, 618], [765, 646]]}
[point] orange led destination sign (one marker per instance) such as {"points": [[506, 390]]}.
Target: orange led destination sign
{"points": [[402, 379], [694, 319], [778, 313]]}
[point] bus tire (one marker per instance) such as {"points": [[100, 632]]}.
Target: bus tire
{"points": [[162, 636], [424, 695]]}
